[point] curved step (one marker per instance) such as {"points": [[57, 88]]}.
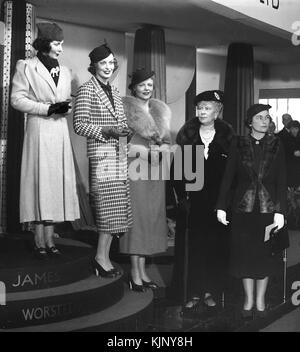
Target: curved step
{"points": [[133, 312], [20, 271], [60, 303]]}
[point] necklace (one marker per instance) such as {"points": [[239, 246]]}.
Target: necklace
{"points": [[206, 136]]}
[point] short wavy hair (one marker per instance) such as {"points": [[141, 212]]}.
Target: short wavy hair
{"points": [[42, 45], [92, 68]]}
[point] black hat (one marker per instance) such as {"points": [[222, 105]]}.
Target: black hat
{"points": [[293, 123], [50, 31], [256, 108], [100, 53], [139, 76], [210, 95]]}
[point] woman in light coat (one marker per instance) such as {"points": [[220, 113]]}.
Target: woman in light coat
{"points": [[41, 88]]}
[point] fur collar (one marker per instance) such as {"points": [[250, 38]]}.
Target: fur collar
{"points": [[154, 125], [189, 133]]}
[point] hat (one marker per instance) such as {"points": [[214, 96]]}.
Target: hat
{"points": [[256, 108], [293, 123], [139, 76], [210, 95], [50, 31], [100, 53]]}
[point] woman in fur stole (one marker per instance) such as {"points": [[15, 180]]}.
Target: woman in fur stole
{"points": [[207, 239], [149, 120]]}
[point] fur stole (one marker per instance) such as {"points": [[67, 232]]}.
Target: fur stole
{"points": [[189, 133], [152, 125]]}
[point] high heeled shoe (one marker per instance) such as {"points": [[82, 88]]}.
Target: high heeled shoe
{"points": [[116, 271], [40, 253], [150, 284], [53, 251], [247, 314], [100, 271], [135, 287]]}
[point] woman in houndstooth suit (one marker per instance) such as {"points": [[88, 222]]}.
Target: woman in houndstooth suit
{"points": [[99, 116]]}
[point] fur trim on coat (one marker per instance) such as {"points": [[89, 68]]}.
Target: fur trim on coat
{"points": [[189, 133], [154, 125]]}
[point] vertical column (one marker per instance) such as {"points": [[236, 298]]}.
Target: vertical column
{"points": [[239, 85], [19, 20], [150, 53]]}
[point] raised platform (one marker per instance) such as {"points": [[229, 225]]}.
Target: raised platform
{"points": [[62, 294], [21, 271], [133, 312]]}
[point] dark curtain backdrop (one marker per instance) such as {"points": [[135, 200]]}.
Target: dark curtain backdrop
{"points": [[239, 82], [15, 122], [150, 53]]}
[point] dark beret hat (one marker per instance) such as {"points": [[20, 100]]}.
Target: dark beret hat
{"points": [[100, 53], [210, 95], [256, 108], [293, 123], [50, 31], [139, 76]]}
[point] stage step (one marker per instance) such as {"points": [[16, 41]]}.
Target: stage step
{"points": [[83, 297], [21, 271], [133, 312]]}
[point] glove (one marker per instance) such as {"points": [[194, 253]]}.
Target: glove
{"points": [[114, 132], [59, 108], [278, 221], [154, 156], [221, 215]]}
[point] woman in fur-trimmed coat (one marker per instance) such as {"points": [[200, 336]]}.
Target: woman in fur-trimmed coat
{"points": [[149, 120], [207, 239]]}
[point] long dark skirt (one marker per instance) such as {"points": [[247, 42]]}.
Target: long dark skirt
{"points": [[250, 256], [208, 252]]}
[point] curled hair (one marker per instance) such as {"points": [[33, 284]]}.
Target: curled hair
{"points": [[92, 68], [42, 45], [133, 92]]}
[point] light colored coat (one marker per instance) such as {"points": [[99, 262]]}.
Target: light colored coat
{"points": [[148, 234], [48, 183]]}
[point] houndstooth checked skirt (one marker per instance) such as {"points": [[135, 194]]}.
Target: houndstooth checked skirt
{"points": [[110, 198]]}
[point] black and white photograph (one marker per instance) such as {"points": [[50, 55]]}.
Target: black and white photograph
{"points": [[149, 168]]}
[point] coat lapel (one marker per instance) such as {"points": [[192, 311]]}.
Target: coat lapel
{"points": [[43, 72], [103, 97]]}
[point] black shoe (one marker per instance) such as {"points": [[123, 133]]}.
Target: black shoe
{"points": [[150, 284], [40, 253], [99, 271], [53, 251], [261, 314], [247, 314], [135, 287], [116, 271], [191, 310]]}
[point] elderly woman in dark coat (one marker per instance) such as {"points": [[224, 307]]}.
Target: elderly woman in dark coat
{"points": [[207, 240], [256, 167]]}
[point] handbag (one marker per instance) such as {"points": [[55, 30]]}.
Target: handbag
{"points": [[279, 240]]}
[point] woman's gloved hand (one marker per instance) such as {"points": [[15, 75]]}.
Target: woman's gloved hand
{"points": [[114, 132], [221, 215], [278, 221], [59, 108]]}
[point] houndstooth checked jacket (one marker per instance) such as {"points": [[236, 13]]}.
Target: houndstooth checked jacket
{"points": [[108, 157]]}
